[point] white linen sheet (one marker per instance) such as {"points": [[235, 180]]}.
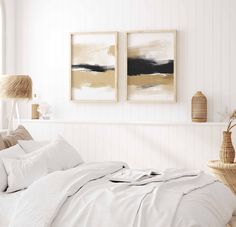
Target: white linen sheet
{"points": [[8, 203], [84, 196]]}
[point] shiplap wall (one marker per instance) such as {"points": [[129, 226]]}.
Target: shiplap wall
{"points": [[142, 145], [206, 52], [206, 56]]}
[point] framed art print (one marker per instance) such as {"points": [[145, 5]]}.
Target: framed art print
{"points": [[93, 66], [151, 66]]}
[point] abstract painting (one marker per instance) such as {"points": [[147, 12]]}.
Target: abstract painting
{"points": [[93, 66], [151, 66]]}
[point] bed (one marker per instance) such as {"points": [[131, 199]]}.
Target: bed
{"points": [[52, 187], [85, 196], [8, 203]]}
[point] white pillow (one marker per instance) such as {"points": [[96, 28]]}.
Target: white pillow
{"points": [[23, 172], [57, 155], [30, 145], [60, 155], [12, 152]]}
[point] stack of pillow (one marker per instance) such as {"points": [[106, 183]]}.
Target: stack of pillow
{"points": [[28, 160]]}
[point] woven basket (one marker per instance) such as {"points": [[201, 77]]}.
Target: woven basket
{"points": [[225, 172]]}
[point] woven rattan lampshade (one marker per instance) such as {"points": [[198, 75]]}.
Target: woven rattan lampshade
{"points": [[15, 87]]}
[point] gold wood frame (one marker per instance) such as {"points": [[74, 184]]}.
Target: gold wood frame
{"points": [[116, 67], [174, 32]]}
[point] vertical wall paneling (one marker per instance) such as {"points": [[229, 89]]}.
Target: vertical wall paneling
{"points": [[206, 56], [206, 52], [142, 145]]}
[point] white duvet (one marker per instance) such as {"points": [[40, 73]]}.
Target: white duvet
{"points": [[85, 196]]}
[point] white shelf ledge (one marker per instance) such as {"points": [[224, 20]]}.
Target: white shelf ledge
{"points": [[3, 131], [177, 123]]}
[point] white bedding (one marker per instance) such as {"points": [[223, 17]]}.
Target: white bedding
{"points": [[8, 203], [211, 206], [84, 196], [196, 209]]}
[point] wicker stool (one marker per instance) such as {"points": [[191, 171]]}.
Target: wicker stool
{"points": [[225, 172]]}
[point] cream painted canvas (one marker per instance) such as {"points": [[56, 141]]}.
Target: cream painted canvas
{"points": [[93, 66], [151, 66]]}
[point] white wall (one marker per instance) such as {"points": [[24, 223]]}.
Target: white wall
{"points": [[142, 145], [206, 52], [8, 61], [206, 60], [10, 36]]}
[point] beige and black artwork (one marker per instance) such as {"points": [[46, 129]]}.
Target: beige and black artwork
{"points": [[151, 74], [93, 66]]}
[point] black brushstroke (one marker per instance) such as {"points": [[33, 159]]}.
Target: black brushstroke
{"points": [[94, 68], [148, 86], [138, 66]]}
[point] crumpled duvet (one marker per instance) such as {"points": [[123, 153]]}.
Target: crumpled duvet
{"points": [[86, 196]]}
